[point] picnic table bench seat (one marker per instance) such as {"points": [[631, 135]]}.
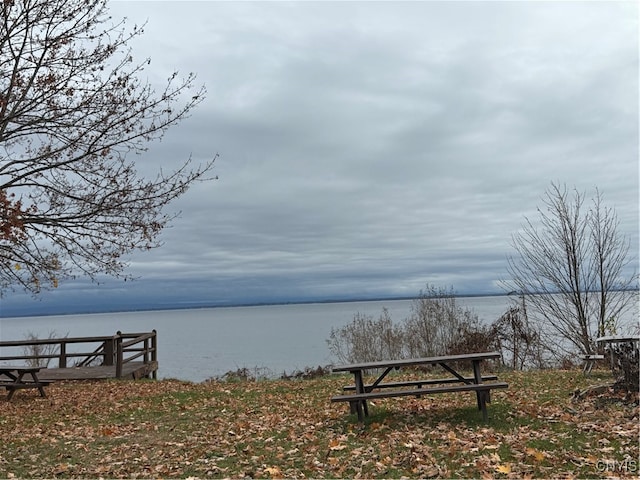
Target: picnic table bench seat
{"points": [[419, 383], [473, 387]]}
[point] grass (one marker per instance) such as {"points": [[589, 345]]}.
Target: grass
{"points": [[280, 428]]}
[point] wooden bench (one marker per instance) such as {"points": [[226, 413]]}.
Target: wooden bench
{"points": [[379, 389], [14, 380], [419, 383], [589, 362], [482, 389]]}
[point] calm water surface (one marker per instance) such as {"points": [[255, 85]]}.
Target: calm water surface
{"points": [[200, 343]]}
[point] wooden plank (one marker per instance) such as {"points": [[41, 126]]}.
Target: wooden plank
{"points": [[12, 386], [419, 383], [130, 370], [53, 341], [425, 391], [407, 362]]}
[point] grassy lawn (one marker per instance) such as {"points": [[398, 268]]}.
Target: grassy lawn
{"points": [[280, 428]]}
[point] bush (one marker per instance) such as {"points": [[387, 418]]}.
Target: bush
{"points": [[436, 326], [435, 323], [366, 339], [40, 354], [626, 366], [473, 337], [520, 342]]}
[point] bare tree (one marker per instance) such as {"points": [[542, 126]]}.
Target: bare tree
{"points": [[73, 110], [571, 266]]}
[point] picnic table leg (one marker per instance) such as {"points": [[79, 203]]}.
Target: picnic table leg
{"points": [[483, 407], [361, 405], [482, 396], [16, 380], [34, 376], [477, 378]]}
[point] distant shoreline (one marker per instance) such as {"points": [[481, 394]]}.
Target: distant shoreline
{"points": [[205, 305]]}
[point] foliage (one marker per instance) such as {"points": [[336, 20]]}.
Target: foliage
{"points": [[626, 365], [74, 108], [520, 342], [570, 267], [436, 322], [289, 429], [245, 374], [436, 326], [366, 339], [307, 373], [473, 337]]}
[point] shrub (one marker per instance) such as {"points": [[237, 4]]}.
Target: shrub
{"points": [[40, 354], [473, 337], [436, 326], [519, 341], [626, 366], [435, 323], [366, 339]]}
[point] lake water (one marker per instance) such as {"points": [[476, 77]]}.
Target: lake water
{"points": [[197, 344]]}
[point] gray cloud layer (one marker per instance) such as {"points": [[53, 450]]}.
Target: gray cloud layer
{"points": [[370, 148]]}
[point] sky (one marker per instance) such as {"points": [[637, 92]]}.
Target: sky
{"points": [[368, 149]]}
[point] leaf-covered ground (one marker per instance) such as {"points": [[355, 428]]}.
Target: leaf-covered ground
{"points": [[289, 429]]}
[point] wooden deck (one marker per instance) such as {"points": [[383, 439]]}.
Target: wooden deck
{"points": [[130, 371], [123, 355]]}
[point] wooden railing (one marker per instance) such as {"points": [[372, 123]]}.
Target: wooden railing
{"points": [[117, 350], [139, 345]]}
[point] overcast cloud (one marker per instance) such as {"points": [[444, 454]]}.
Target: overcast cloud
{"points": [[372, 148]]}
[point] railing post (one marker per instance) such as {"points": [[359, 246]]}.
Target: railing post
{"points": [[109, 352], [154, 353], [119, 354], [145, 356], [62, 362]]}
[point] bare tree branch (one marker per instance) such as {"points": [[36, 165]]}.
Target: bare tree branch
{"points": [[570, 268], [73, 110]]}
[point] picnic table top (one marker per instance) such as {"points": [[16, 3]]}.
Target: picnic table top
{"points": [[12, 368], [406, 362], [618, 339]]}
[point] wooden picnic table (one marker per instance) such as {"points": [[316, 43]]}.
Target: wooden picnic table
{"points": [[620, 345], [619, 339], [12, 378], [457, 382]]}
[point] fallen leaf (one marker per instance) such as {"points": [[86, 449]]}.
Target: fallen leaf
{"points": [[274, 472], [336, 445], [536, 454], [61, 468]]}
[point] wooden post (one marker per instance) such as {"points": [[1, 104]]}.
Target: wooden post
{"points": [[62, 362], [154, 353], [145, 348], [119, 354], [109, 352]]}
